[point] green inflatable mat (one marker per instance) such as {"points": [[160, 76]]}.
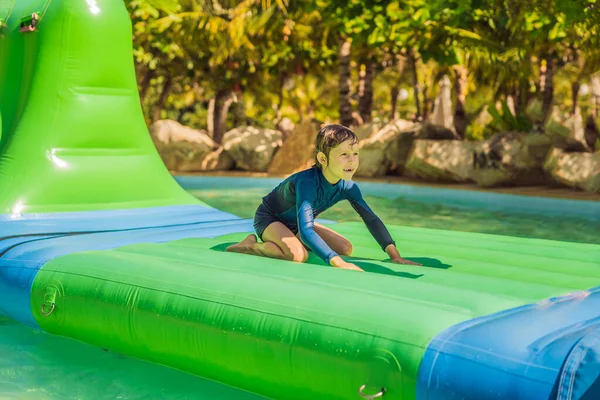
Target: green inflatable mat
{"points": [[270, 326]]}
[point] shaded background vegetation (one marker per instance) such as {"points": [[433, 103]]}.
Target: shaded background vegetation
{"points": [[217, 64]]}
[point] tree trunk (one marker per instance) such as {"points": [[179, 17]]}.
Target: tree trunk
{"points": [[522, 96], [282, 79], [396, 87], [365, 91], [344, 83], [145, 84], [539, 84], [575, 94], [238, 110], [394, 99], [548, 90], [516, 98], [162, 98], [311, 110], [460, 85], [415, 78], [427, 103], [299, 112], [591, 133], [222, 102], [148, 76], [210, 118]]}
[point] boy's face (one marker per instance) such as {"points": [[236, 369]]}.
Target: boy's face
{"points": [[343, 161]]}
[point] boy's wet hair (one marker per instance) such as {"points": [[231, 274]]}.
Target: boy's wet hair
{"points": [[331, 136]]}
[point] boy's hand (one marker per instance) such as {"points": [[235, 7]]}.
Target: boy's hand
{"points": [[350, 266], [395, 257], [400, 260], [338, 262]]}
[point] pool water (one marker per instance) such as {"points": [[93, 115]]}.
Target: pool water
{"points": [[417, 212]]}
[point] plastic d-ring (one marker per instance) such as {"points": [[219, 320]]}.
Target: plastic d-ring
{"points": [[49, 301], [44, 313], [29, 23], [370, 396]]}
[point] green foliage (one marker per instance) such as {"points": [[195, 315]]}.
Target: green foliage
{"points": [[504, 120], [279, 56]]}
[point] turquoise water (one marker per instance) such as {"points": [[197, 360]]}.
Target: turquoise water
{"points": [[429, 212]]}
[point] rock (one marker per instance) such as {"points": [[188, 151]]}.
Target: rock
{"points": [[577, 170], [437, 132], [286, 127], [575, 126], [441, 160], [569, 133], [387, 149], [252, 148], [370, 128], [218, 160], [511, 158], [298, 151], [571, 145], [180, 147]]}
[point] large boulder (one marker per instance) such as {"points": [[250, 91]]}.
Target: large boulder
{"points": [[298, 151], [218, 160], [369, 129], [511, 158], [570, 132], [437, 132], [387, 149], [577, 170], [252, 148], [180, 147], [441, 160]]}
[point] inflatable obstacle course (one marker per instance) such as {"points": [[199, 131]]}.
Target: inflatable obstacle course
{"points": [[100, 244]]}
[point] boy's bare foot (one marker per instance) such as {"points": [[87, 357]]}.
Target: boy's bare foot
{"points": [[244, 246]]}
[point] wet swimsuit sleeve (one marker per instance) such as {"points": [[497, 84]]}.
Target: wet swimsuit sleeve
{"points": [[306, 194], [373, 222]]}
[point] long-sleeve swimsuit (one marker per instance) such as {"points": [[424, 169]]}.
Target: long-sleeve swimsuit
{"points": [[301, 197]]}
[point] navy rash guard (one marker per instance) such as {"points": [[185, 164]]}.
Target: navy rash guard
{"points": [[300, 198]]}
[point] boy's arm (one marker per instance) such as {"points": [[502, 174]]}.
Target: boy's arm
{"points": [[375, 225], [305, 197]]}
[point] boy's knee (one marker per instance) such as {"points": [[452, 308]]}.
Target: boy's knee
{"points": [[298, 254], [346, 249]]}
